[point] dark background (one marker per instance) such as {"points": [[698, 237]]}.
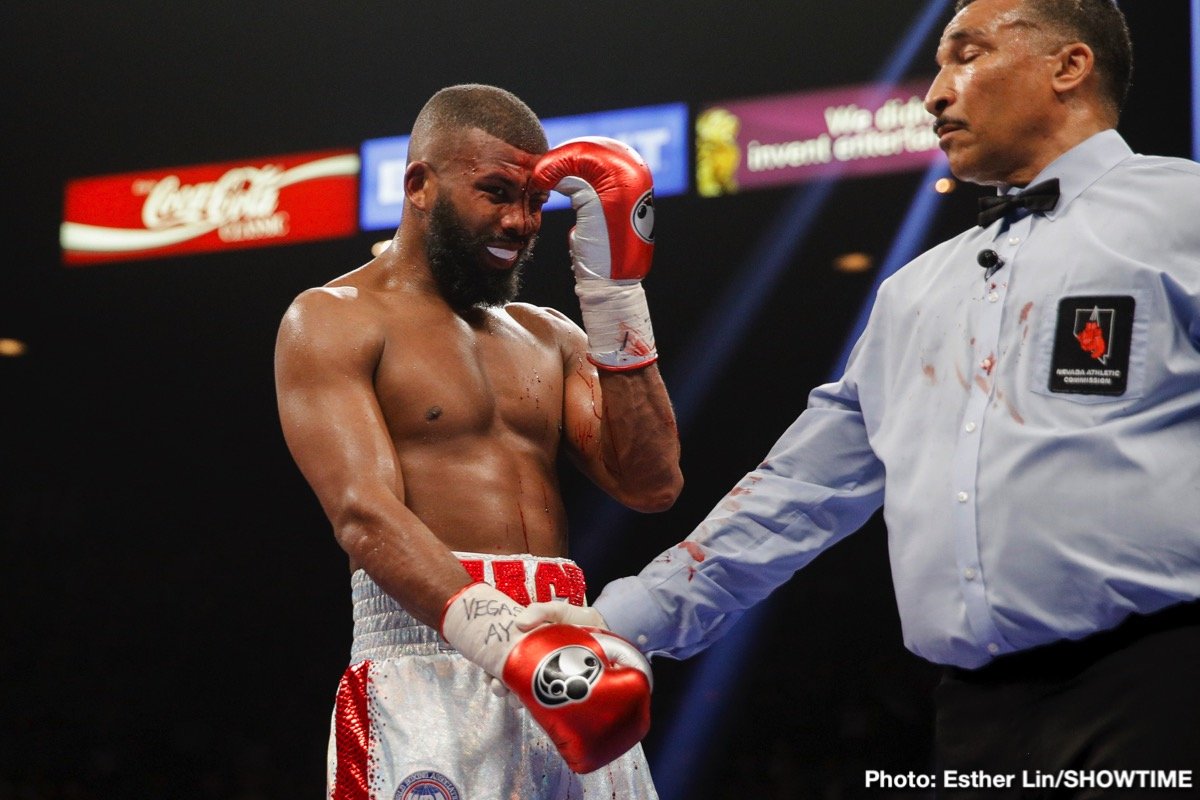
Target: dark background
{"points": [[174, 612]]}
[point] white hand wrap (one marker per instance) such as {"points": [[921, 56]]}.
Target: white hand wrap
{"points": [[537, 614], [480, 623], [617, 321]]}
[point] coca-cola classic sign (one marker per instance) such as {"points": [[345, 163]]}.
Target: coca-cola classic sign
{"points": [[251, 203]]}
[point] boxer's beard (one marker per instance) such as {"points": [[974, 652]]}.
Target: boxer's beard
{"points": [[454, 258]]}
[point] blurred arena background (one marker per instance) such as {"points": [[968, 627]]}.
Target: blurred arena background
{"points": [[175, 613]]}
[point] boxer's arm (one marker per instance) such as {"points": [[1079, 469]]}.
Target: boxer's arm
{"points": [[820, 482], [619, 430], [618, 422], [325, 357]]}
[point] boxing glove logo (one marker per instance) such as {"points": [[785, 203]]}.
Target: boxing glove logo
{"points": [[642, 218], [566, 675]]}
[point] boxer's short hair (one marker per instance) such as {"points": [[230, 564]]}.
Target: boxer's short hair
{"points": [[491, 109]]}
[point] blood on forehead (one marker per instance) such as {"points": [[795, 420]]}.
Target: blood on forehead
{"points": [[477, 150], [513, 172]]}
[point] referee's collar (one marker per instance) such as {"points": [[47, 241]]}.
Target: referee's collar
{"points": [[1080, 167]]}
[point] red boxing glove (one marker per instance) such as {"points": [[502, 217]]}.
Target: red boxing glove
{"points": [[612, 243], [588, 688], [612, 192]]}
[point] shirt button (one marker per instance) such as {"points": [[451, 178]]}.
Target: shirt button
{"points": [[993, 297], [1014, 240], [969, 574], [993, 648], [962, 497], [969, 427], [642, 638]]}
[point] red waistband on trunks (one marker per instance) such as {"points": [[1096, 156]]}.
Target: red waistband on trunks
{"points": [[529, 579]]}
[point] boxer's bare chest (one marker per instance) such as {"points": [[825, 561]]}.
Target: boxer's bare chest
{"points": [[442, 377]]}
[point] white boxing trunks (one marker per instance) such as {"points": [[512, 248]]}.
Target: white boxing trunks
{"points": [[414, 719]]}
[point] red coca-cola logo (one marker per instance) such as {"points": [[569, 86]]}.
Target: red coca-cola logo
{"points": [[288, 199]]}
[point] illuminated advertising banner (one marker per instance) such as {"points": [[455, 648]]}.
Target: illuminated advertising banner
{"points": [[382, 186], [658, 133], [249, 203], [786, 139]]}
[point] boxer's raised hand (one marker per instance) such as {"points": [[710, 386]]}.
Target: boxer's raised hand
{"points": [[612, 243]]}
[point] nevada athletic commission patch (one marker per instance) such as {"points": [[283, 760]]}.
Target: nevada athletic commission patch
{"points": [[427, 785], [1091, 345]]}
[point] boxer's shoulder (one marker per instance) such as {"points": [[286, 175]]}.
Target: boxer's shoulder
{"points": [[546, 324], [394, 310], [325, 315]]}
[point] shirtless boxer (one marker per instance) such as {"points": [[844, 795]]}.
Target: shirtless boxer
{"points": [[427, 412]]}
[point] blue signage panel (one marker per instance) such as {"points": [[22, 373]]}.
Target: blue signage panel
{"points": [[381, 183], [658, 133]]}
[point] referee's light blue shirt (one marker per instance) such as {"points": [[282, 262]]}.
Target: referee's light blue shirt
{"points": [[1040, 475]]}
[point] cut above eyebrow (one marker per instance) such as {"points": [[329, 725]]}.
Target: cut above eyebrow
{"points": [[498, 177], [509, 183]]}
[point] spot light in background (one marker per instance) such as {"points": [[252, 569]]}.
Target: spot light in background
{"points": [[695, 725], [853, 262], [12, 348], [379, 247], [945, 185]]}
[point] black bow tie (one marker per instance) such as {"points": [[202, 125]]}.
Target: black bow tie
{"points": [[1041, 197]]}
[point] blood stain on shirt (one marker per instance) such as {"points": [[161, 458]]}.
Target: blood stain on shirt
{"points": [[693, 550], [1013, 412], [962, 379]]}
